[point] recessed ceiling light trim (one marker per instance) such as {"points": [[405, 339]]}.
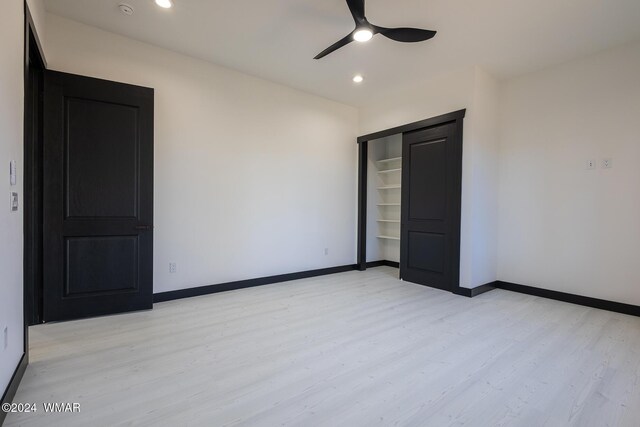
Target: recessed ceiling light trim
{"points": [[165, 4], [126, 9]]}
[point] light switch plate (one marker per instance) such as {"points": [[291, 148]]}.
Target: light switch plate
{"points": [[607, 163], [13, 173], [14, 201], [591, 164]]}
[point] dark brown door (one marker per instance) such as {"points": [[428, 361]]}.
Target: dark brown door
{"points": [[97, 197], [431, 190]]}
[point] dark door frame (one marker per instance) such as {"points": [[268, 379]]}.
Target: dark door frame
{"points": [[35, 65], [363, 155]]}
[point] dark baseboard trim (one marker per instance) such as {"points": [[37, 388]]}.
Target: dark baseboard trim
{"points": [[12, 388], [383, 263], [231, 286], [617, 307], [474, 292]]}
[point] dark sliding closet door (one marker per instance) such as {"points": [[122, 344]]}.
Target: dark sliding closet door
{"points": [[431, 192]]}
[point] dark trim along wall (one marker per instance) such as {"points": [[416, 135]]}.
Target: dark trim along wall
{"points": [[383, 263], [12, 388], [230, 286], [617, 307], [601, 304], [466, 292]]}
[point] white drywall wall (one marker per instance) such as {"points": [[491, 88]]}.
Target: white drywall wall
{"points": [[251, 178], [480, 178], [561, 226]]}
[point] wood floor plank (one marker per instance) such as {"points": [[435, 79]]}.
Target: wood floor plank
{"points": [[351, 349]]}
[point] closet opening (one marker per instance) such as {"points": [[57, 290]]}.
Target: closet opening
{"points": [[409, 200]]}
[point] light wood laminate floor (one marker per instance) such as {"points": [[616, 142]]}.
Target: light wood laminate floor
{"points": [[351, 349]]}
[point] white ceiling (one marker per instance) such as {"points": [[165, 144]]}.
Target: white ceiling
{"points": [[277, 39]]}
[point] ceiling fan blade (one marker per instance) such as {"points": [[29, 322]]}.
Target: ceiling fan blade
{"points": [[406, 35], [345, 41], [357, 10]]}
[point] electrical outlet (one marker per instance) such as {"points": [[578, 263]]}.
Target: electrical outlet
{"points": [[326, 251], [172, 267], [607, 163], [591, 164], [5, 340]]}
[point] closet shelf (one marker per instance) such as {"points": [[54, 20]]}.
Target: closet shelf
{"points": [[394, 159], [390, 170], [389, 220], [388, 237], [389, 187]]}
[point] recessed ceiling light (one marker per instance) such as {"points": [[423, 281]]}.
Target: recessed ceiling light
{"points": [[166, 4], [358, 78], [363, 35]]}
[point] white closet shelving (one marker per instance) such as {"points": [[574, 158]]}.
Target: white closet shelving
{"points": [[393, 159], [384, 191], [389, 177], [389, 171]]}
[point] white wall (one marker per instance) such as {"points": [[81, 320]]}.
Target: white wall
{"points": [[480, 226], [563, 227], [11, 125], [475, 90], [442, 95], [251, 178]]}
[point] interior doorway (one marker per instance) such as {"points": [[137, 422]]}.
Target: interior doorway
{"points": [[88, 193]]}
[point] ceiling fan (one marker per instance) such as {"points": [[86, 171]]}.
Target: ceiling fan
{"points": [[365, 31]]}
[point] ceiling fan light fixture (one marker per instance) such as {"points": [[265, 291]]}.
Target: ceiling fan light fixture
{"points": [[365, 31], [165, 4], [363, 35]]}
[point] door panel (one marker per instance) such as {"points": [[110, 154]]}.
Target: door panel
{"points": [[102, 254], [432, 244], [428, 200], [101, 176], [430, 219], [98, 197]]}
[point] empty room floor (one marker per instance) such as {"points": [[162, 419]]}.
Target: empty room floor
{"points": [[351, 349]]}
